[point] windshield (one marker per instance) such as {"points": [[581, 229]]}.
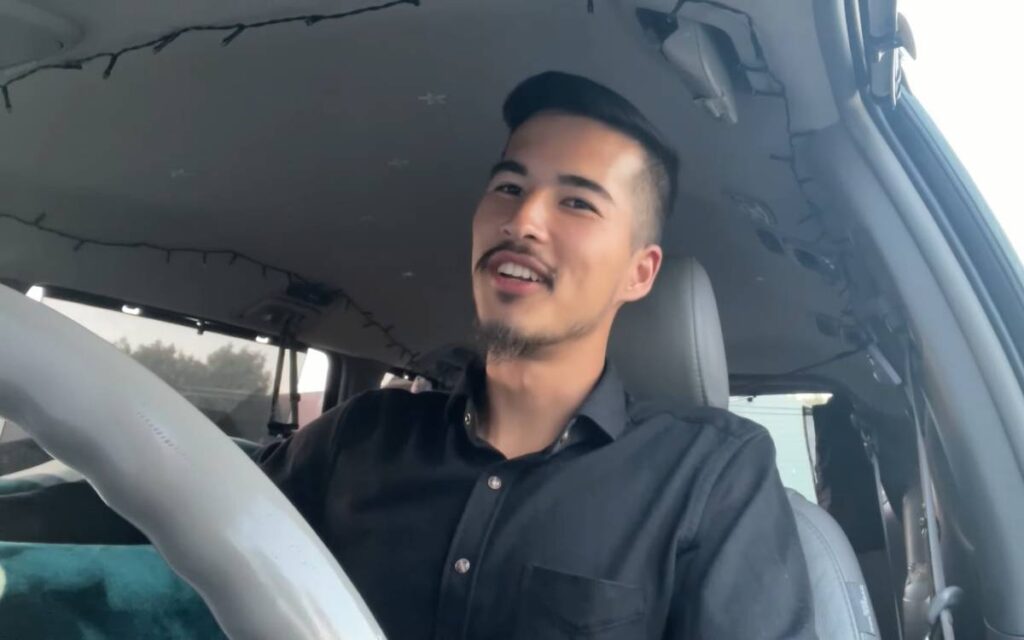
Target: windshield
{"points": [[967, 76]]}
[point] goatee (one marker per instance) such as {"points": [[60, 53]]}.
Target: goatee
{"points": [[501, 341]]}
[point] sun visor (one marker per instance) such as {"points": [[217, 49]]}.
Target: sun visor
{"points": [[29, 34]]}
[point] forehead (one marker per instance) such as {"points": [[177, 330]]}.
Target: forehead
{"points": [[552, 143]]}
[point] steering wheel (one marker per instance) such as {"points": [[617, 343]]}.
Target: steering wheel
{"points": [[160, 463]]}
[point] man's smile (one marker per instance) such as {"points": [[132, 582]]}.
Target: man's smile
{"points": [[515, 272]]}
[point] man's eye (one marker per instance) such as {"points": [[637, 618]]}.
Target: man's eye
{"points": [[579, 203], [509, 189]]}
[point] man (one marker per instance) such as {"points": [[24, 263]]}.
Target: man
{"points": [[538, 500]]}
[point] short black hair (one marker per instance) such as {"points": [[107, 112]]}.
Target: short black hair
{"points": [[576, 95]]}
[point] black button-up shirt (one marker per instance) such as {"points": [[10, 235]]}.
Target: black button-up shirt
{"points": [[638, 522]]}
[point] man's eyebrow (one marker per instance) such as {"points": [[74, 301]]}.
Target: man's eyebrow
{"points": [[585, 183], [509, 165]]}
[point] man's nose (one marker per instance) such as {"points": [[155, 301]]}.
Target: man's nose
{"points": [[528, 221]]}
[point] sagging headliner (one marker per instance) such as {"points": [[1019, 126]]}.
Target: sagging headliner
{"points": [[352, 152]]}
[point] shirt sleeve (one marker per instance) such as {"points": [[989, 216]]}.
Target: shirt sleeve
{"points": [[301, 464], [746, 576]]}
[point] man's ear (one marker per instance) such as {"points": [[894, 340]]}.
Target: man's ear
{"points": [[642, 272]]}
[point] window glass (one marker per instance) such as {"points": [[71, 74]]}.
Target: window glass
{"points": [[409, 382], [967, 57], [787, 417], [312, 386], [229, 379], [17, 450]]}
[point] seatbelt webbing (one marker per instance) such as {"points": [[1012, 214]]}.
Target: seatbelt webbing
{"points": [[293, 384], [275, 427], [945, 616], [276, 389], [871, 447]]}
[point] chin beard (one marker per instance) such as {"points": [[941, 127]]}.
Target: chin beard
{"points": [[499, 340]]}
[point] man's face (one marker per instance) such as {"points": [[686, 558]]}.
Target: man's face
{"points": [[554, 236]]}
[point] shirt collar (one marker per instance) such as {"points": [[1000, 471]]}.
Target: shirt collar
{"points": [[605, 405]]}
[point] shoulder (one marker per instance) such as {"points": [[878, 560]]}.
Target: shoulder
{"points": [[706, 423], [365, 420], [704, 443], [393, 400], [711, 444], [380, 411]]}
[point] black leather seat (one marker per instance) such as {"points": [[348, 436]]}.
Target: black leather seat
{"points": [[668, 347]]}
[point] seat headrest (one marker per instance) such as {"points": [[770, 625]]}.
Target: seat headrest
{"points": [[668, 346]]}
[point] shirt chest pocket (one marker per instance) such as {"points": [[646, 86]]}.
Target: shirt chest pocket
{"points": [[556, 605]]}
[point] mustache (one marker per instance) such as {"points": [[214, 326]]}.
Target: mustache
{"points": [[521, 248]]}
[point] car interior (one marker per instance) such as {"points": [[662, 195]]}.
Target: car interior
{"points": [[301, 176]]}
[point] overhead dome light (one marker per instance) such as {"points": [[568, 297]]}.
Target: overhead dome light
{"points": [[263, 339], [28, 33], [130, 310]]}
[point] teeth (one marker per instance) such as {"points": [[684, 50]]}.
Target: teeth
{"points": [[514, 270]]}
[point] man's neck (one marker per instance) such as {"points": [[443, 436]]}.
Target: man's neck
{"points": [[530, 401]]}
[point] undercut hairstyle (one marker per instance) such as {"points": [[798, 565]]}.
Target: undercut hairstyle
{"points": [[575, 95]]}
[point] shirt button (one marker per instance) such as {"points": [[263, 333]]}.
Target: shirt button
{"points": [[494, 482], [462, 565]]}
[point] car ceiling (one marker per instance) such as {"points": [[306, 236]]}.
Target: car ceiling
{"points": [[350, 153]]}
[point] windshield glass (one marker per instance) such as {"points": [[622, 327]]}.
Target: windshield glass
{"points": [[967, 77]]}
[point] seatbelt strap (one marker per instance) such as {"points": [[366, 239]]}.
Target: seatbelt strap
{"points": [[275, 427], [293, 384], [945, 598], [871, 447]]}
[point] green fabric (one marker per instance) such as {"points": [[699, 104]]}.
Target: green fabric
{"points": [[94, 592]]}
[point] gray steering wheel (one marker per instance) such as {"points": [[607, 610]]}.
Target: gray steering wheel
{"points": [[160, 463]]}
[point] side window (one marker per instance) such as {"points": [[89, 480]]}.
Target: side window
{"points": [[312, 386], [229, 379], [408, 381], [17, 450], [788, 419]]}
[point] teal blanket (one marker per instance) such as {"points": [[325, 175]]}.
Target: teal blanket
{"points": [[93, 592]]}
